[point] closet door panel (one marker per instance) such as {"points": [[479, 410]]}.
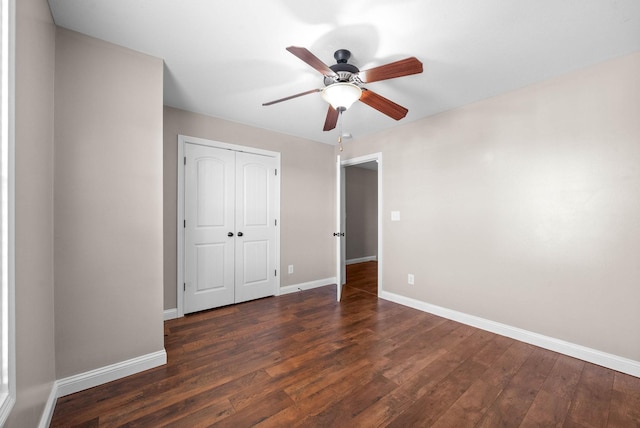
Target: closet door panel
{"points": [[209, 218], [255, 223]]}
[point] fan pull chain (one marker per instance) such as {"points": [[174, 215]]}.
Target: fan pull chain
{"points": [[340, 129]]}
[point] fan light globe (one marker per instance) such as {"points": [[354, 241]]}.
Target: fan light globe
{"points": [[341, 95]]}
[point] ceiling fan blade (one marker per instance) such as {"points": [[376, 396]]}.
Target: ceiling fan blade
{"points": [[292, 96], [331, 120], [383, 105], [404, 67], [312, 60]]}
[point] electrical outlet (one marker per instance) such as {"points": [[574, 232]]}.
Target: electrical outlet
{"points": [[410, 279], [290, 269]]}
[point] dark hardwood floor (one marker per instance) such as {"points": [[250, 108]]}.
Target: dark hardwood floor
{"points": [[305, 360], [363, 277]]}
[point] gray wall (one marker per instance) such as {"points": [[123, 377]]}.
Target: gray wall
{"points": [[108, 204], [307, 210], [35, 350], [361, 189], [523, 208]]}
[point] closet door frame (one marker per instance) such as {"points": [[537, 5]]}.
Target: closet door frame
{"points": [[182, 140]]}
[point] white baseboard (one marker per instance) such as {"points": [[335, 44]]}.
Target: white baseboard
{"points": [[362, 260], [307, 285], [49, 407], [96, 377], [170, 314], [594, 356]]}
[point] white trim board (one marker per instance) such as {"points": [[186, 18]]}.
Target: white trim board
{"points": [[307, 285], [170, 314], [361, 260], [8, 383], [590, 355], [86, 380], [49, 407]]}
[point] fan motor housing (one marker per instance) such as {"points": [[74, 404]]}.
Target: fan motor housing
{"points": [[346, 72]]}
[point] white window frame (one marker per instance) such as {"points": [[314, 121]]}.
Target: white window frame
{"points": [[7, 217]]}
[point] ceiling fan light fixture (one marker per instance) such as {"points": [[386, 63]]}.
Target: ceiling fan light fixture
{"points": [[341, 95]]}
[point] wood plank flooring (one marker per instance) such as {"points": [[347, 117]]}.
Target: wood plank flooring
{"points": [[305, 360], [363, 277]]}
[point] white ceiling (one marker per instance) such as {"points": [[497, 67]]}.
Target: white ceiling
{"points": [[225, 58]]}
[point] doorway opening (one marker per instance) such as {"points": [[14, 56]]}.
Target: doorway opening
{"points": [[361, 220], [361, 226]]}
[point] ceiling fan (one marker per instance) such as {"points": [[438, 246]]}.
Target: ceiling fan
{"points": [[344, 84]]}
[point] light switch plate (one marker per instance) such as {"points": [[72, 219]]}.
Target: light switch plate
{"points": [[395, 215]]}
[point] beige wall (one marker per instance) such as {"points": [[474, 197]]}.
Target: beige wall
{"points": [[35, 351], [523, 208], [108, 204], [307, 195], [361, 188]]}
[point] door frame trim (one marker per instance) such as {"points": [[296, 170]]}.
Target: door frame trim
{"points": [[377, 157], [182, 140]]}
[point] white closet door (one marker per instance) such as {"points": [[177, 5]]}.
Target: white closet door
{"points": [[209, 219], [255, 224]]}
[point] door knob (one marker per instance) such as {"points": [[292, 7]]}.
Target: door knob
{"points": [[240, 234], [230, 234]]}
